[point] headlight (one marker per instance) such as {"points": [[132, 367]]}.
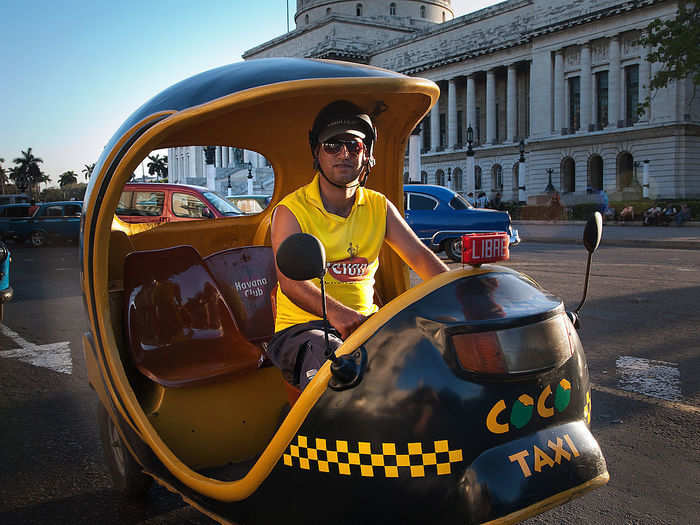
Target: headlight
{"points": [[4, 252]]}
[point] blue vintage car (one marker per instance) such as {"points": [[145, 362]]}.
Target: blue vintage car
{"points": [[51, 221], [5, 288], [440, 217]]}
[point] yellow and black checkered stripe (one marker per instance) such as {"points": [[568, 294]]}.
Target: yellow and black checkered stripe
{"points": [[369, 461]]}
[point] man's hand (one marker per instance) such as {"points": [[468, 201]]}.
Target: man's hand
{"points": [[343, 319]]}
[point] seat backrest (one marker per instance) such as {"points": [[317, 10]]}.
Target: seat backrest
{"points": [[180, 330], [246, 277]]}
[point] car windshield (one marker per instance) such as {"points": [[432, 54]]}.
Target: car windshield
{"points": [[459, 203], [221, 204]]}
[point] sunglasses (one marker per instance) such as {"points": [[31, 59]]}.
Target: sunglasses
{"points": [[353, 147]]}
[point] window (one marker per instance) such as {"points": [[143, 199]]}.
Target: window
{"points": [[631, 94], [358, 10], [73, 210], [497, 177], [189, 206], [477, 128], [425, 129], [422, 11], [53, 211], [443, 131], [440, 178], [575, 103], [601, 88], [144, 203], [568, 175], [328, 11], [477, 177], [457, 174], [392, 9], [459, 203], [306, 19], [421, 202], [460, 126], [423, 177]]}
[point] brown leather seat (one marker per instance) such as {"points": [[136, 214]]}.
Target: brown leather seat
{"points": [[180, 330]]}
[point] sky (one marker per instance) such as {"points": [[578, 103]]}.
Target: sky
{"points": [[72, 71]]}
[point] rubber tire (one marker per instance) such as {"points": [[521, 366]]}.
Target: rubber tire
{"points": [[38, 239], [127, 475], [453, 249]]}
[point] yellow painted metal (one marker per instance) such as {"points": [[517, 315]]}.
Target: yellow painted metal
{"points": [[273, 120]]}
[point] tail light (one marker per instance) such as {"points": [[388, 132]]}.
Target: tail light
{"points": [[525, 349]]}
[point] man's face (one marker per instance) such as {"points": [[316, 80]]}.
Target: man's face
{"points": [[345, 166]]}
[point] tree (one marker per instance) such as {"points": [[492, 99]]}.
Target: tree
{"points": [[675, 44], [66, 178], [87, 170], [27, 173], [3, 177], [158, 166]]}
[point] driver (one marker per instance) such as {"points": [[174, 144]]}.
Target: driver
{"points": [[352, 222]]}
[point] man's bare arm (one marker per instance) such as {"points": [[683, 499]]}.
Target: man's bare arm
{"points": [[417, 255], [304, 293]]}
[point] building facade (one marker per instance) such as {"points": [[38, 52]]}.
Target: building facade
{"points": [[564, 77]]}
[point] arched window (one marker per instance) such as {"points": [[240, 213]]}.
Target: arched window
{"points": [[422, 11], [457, 179], [328, 11], [392, 9], [477, 177], [358, 10], [497, 178], [568, 175], [595, 172], [306, 19], [440, 178], [625, 170], [423, 177]]}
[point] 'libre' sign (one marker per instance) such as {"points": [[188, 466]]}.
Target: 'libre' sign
{"points": [[479, 248]]}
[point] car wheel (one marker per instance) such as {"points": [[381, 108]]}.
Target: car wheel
{"points": [[127, 475], [38, 239], [453, 249]]}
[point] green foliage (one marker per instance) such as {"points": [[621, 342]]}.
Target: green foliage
{"points": [[68, 177], [675, 44], [65, 193], [158, 165]]}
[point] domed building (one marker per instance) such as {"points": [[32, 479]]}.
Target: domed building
{"points": [[559, 79]]}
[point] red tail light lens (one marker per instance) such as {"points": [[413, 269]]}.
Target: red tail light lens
{"points": [[480, 353]]}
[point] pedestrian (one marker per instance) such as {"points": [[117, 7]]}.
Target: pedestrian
{"points": [[497, 203], [470, 198], [682, 215], [482, 201]]}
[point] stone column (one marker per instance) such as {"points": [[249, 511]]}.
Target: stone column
{"points": [[414, 165], [614, 91], [644, 74], [559, 125], [451, 114], [224, 156], [471, 104], [435, 126], [231, 156], [491, 106], [585, 88], [217, 163], [511, 104], [541, 113]]}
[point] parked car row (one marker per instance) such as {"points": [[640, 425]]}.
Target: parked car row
{"points": [[440, 217], [41, 223]]}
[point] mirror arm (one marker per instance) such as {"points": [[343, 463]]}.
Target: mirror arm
{"points": [[585, 283], [329, 353]]}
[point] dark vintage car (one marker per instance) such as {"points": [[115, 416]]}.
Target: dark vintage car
{"points": [[440, 217], [50, 221], [10, 216]]}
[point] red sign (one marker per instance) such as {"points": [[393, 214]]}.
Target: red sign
{"points": [[479, 248]]}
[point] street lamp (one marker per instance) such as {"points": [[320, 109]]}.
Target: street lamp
{"points": [[449, 178], [229, 190], [550, 186], [521, 147], [250, 176], [470, 140]]}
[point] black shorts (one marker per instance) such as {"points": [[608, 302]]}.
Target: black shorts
{"points": [[300, 350]]}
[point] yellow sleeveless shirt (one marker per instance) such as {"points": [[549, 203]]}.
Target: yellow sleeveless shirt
{"points": [[352, 247]]}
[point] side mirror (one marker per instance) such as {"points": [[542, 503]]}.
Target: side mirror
{"points": [[593, 232], [301, 257]]}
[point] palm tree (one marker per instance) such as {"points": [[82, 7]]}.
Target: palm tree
{"points": [[27, 173], [3, 177], [66, 178], [158, 165], [87, 170]]}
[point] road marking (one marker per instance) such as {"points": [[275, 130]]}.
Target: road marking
{"points": [[675, 405], [55, 356]]}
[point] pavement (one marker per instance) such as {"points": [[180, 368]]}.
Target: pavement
{"points": [[685, 237]]}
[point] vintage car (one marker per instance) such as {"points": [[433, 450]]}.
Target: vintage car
{"points": [[51, 221], [250, 204], [163, 202], [440, 217], [10, 215], [6, 291], [464, 399]]}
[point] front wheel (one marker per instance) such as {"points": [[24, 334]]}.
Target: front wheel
{"points": [[38, 239], [453, 249], [127, 475]]}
